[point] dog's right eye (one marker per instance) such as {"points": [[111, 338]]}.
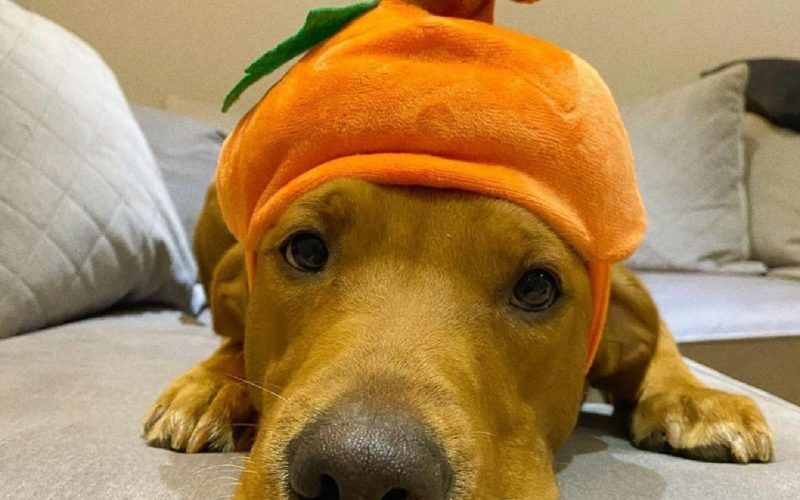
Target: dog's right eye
{"points": [[536, 290], [306, 252]]}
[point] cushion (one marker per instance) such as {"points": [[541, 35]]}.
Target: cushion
{"points": [[74, 395], [186, 151], [774, 190], [773, 90], [690, 166], [87, 221], [703, 307]]}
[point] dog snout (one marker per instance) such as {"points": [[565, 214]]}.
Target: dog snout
{"points": [[353, 453]]}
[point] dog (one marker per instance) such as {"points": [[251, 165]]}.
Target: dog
{"points": [[416, 342], [388, 325]]}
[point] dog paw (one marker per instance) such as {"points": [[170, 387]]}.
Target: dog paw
{"points": [[702, 424], [202, 410]]}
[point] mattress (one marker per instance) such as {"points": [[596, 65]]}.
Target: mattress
{"points": [[71, 400], [701, 307]]}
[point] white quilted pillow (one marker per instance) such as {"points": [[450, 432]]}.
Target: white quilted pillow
{"points": [[85, 218]]}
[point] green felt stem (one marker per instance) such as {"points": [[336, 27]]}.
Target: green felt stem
{"points": [[320, 25]]}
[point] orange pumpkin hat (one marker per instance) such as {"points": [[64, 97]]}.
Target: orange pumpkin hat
{"points": [[404, 97]]}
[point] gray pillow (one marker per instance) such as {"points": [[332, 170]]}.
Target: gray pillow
{"points": [[774, 189], [773, 90], [186, 151], [86, 219], [690, 165]]}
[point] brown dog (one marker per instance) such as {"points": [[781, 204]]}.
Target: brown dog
{"points": [[425, 344]]}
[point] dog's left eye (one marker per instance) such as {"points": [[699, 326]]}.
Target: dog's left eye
{"points": [[536, 290], [306, 252]]}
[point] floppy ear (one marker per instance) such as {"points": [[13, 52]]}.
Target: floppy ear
{"points": [[228, 294], [480, 10], [220, 260], [629, 337], [211, 238]]}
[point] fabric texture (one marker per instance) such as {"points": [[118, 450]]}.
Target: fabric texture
{"points": [[773, 91], [186, 151], [701, 307], [690, 164], [86, 220], [774, 190], [404, 97], [72, 430]]}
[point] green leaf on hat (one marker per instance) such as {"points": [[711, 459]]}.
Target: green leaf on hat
{"points": [[321, 24]]}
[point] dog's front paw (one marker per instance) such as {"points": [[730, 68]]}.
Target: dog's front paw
{"points": [[201, 411], [702, 424]]}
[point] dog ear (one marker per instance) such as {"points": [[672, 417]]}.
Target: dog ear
{"points": [[228, 294], [629, 337], [220, 260], [211, 238], [480, 10]]}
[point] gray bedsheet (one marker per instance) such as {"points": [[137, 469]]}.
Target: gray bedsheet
{"points": [[705, 307], [71, 400]]}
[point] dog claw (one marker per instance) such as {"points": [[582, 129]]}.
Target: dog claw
{"points": [[739, 449], [765, 448], [199, 438], [674, 434], [209, 434], [181, 434], [155, 415]]}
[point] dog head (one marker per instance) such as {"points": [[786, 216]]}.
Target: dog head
{"points": [[412, 341]]}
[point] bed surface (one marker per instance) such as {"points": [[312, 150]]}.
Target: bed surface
{"points": [[702, 307], [80, 390]]}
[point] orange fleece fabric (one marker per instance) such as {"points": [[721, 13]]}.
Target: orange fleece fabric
{"points": [[403, 97]]}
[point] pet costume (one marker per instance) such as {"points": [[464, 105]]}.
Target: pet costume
{"points": [[400, 96]]}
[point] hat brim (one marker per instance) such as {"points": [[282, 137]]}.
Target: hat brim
{"points": [[402, 169]]}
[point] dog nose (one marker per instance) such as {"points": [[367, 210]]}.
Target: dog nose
{"points": [[356, 454]]}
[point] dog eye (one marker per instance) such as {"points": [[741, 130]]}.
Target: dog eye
{"points": [[306, 252], [536, 290]]}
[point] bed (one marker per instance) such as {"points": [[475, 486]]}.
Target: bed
{"points": [[73, 397], [83, 358], [747, 327]]}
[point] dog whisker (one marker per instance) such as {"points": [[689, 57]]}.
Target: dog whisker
{"points": [[274, 386], [208, 483], [226, 483], [219, 478], [231, 495], [219, 466], [258, 386], [231, 486], [223, 468]]}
